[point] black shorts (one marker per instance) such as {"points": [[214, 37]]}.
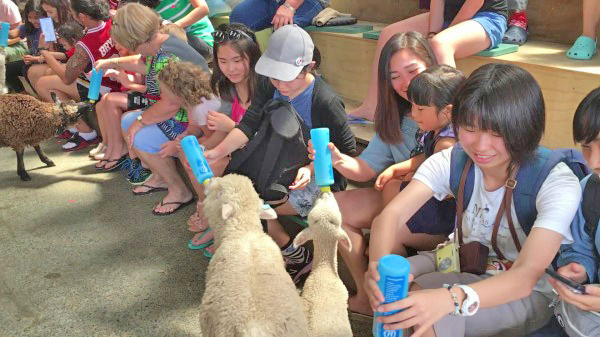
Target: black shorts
{"points": [[83, 92], [136, 101]]}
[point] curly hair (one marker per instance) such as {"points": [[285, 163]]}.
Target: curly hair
{"points": [[186, 80], [71, 31]]}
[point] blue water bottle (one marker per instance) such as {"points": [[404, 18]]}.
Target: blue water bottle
{"points": [[323, 165], [95, 82], [4, 34], [195, 157], [393, 282]]}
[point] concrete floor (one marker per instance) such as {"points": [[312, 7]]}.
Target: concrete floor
{"points": [[81, 256]]}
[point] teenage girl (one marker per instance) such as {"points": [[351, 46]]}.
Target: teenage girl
{"points": [[455, 29], [499, 115]]}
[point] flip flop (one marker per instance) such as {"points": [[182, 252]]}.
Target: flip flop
{"points": [[515, 35], [207, 254], [152, 189], [100, 168], [583, 48], [180, 205], [118, 164], [194, 245]]}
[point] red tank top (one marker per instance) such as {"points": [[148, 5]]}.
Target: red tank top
{"points": [[98, 45]]}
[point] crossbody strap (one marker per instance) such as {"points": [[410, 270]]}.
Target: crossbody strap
{"points": [[506, 208]]}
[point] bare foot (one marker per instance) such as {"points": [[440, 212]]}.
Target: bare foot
{"points": [[197, 221], [202, 238], [364, 111], [360, 305], [172, 202]]}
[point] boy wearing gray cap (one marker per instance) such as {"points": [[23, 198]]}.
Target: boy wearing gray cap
{"points": [[287, 66]]}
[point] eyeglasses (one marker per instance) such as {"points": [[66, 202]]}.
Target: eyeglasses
{"points": [[230, 35]]}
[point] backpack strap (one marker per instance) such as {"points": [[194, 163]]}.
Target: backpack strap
{"points": [[591, 200], [532, 175], [458, 161]]}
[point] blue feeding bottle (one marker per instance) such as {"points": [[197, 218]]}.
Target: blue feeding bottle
{"points": [[95, 82], [4, 34], [393, 282], [323, 165], [196, 158]]}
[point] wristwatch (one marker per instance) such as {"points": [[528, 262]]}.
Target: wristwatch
{"points": [[470, 304], [139, 118]]}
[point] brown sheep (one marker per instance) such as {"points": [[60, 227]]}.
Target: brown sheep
{"points": [[24, 121]]}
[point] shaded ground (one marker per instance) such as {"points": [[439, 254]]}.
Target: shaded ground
{"points": [[81, 256]]}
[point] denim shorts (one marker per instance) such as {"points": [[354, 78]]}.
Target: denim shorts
{"points": [[150, 137], [493, 23]]}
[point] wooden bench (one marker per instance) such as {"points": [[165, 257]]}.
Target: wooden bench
{"points": [[347, 60]]}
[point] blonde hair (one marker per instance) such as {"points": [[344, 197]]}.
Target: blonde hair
{"points": [[134, 24], [175, 30], [186, 80]]}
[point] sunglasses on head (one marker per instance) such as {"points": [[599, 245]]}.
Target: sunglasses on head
{"points": [[230, 35]]}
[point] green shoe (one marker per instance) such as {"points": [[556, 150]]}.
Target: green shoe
{"points": [[138, 174], [583, 48]]}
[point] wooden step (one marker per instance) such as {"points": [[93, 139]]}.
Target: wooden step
{"points": [[347, 61]]}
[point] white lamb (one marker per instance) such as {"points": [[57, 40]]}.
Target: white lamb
{"points": [[324, 295], [248, 292]]}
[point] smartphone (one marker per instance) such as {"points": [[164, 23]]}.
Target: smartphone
{"points": [[575, 287], [47, 27]]}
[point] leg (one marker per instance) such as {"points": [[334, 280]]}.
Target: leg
{"points": [[419, 23], [358, 208], [53, 83], [255, 14], [109, 113], [591, 17], [461, 40], [35, 72], [177, 190], [43, 156], [21, 166], [13, 71]]}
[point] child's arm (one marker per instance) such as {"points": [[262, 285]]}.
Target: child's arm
{"points": [[352, 168], [129, 82], [133, 63], [399, 171], [214, 139], [200, 11], [467, 11], [436, 16], [13, 41]]}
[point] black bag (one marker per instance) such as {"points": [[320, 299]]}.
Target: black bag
{"points": [[272, 157]]}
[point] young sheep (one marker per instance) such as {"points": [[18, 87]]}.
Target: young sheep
{"points": [[324, 295], [248, 292], [26, 121]]}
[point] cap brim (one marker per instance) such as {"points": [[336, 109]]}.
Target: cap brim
{"points": [[275, 69]]}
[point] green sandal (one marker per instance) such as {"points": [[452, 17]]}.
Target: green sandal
{"points": [[583, 48]]}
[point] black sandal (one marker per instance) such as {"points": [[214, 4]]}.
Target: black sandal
{"points": [[180, 206], [118, 164], [151, 189]]}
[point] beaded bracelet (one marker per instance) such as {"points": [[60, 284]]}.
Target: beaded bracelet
{"points": [[454, 299], [290, 7]]}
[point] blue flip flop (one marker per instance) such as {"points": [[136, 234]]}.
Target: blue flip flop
{"points": [[208, 254], [198, 237]]}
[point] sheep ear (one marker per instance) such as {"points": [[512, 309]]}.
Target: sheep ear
{"points": [[226, 211], [303, 237], [267, 213], [344, 240]]}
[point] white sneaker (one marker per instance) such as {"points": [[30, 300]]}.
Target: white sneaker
{"points": [[98, 150]]}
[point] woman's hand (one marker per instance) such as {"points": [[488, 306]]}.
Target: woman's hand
{"points": [[133, 129], [168, 149], [302, 178], [336, 155], [213, 156], [588, 302], [283, 16], [217, 121], [422, 308]]}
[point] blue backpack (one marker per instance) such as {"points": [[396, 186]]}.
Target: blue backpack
{"points": [[530, 178]]}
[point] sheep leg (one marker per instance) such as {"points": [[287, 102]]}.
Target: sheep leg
{"points": [[43, 156], [21, 166]]}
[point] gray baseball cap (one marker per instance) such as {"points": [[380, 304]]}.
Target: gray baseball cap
{"points": [[290, 49]]}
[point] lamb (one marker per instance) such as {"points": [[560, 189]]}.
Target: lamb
{"points": [[248, 292], [25, 121], [324, 295]]}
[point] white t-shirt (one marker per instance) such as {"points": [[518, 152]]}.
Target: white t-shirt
{"points": [[556, 203], [200, 111]]}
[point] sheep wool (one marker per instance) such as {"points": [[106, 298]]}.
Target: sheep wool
{"points": [[248, 292], [25, 121], [324, 294]]}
